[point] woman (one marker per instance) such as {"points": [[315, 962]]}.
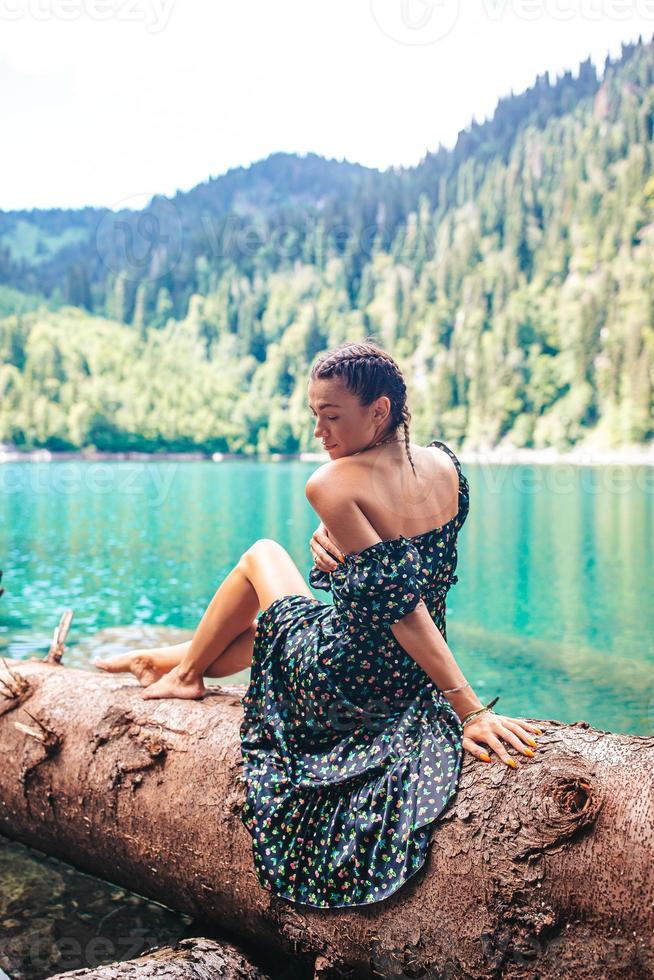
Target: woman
{"points": [[356, 715]]}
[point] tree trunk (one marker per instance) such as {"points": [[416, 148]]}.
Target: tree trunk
{"points": [[189, 959], [542, 871]]}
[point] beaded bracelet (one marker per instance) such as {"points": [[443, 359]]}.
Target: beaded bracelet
{"points": [[479, 711]]}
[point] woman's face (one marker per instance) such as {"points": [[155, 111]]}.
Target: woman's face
{"points": [[343, 424]]}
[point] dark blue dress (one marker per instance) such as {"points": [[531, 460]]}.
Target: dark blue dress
{"points": [[350, 751]]}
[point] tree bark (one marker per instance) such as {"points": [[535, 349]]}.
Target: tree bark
{"points": [[544, 871], [189, 959]]}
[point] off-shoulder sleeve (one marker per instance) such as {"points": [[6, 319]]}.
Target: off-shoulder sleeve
{"points": [[379, 585]]}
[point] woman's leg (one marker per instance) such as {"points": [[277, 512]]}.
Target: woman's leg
{"points": [[149, 665], [264, 573]]}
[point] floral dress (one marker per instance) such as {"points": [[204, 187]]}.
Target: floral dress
{"points": [[350, 751]]}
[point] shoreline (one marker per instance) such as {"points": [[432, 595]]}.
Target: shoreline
{"points": [[509, 455]]}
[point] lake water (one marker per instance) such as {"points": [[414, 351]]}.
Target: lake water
{"points": [[553, 608]]}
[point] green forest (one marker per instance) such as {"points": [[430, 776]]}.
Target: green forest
{"points": [[510, 276]]}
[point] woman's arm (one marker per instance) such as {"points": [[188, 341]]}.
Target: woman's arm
{"points": [[326, 555], [420, 637], [331, 492]]}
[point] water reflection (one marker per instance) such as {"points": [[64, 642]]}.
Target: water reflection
{"points": [[553, 603]]}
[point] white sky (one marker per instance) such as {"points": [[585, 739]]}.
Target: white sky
{"points": [[102, 101]]}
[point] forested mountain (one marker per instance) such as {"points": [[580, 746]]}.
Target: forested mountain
{"points": [[511, 276]]}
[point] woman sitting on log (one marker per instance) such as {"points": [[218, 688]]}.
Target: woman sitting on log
{"points": [[356, 716]]}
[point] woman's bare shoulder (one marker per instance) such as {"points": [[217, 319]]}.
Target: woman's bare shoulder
{"points": [[340, 468], [330, 475]]}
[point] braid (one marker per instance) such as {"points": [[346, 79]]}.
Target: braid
{"points": [[406, 418], [368, 372]]}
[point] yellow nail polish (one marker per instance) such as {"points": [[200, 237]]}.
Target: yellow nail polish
{"points": [[484, 756], [529, 753], [512, 763], [532, 741], [341, 558], [539, 731]]}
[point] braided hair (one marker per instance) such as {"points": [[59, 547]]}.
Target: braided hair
{"points": [[368, 372]]}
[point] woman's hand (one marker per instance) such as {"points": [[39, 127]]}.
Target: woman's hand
{"points": [[324, 551], [491, 729]]}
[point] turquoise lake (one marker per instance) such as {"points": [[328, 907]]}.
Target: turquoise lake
{"points": [[553, 609]]}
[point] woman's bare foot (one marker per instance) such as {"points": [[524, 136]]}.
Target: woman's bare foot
{"points": [[171, 685], [142, 663]]}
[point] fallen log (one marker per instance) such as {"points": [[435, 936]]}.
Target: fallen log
{"points": [[188, 959], [544, 870]]}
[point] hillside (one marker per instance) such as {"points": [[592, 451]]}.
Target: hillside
{"points": [[511, 276]]}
